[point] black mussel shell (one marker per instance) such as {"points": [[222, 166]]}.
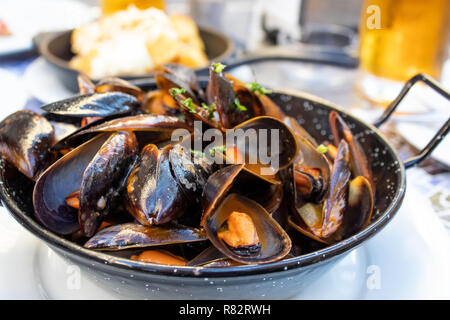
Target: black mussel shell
{"points": [[135, 235], [25, 140], [359, 208], [157, 128], [325, 218], [223, 95], [59, 180], [153, 194], [282, 146], [336, 198], [274, 243], [217, 186], [359, 163], [94, 105], [104, 177]]}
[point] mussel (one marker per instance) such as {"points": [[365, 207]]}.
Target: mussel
{"points": [[155, 129], [97, 169], [164, 184], [237, 226], [94, 105], [347, 206], [25, 141], [135, 235]]}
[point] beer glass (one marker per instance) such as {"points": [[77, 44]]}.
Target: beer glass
{"points": [[398, 39], [111, 6]]}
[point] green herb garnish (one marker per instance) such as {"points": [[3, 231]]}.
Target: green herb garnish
{"points": [[238, 105], [322, 148], [197, 153], [210, 109], [256, 87], [218, 67], [213, 150], [188, 103], [176, 91]]}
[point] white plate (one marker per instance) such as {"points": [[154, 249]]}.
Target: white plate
{"points": [[419, 135], [43, 84], [409, 259], [13, 95], [26, 18]]}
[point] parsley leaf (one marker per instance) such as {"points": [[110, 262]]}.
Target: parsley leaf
{"points": [[188, 103], [238, 105], [256, 87], [197, 153], [218, 67], [210, 109], [322, 148], [176, 91], [213, 150]]}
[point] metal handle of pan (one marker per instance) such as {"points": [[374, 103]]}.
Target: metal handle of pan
{"points": [[438, 137]]}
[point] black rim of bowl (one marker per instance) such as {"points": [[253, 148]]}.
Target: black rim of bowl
{"points": [[187, 271]]}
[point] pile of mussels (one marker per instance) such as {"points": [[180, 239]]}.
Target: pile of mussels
{"points": [[108, 176]]}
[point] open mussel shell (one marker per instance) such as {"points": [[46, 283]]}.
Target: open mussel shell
{"points": [[94, 105], [195, 111], [274, 243], [157, 128], [266, 193], [320, 221], [218, 185], [236, 179], [96, 168], [185, 76], [223, 95], [135, 235], [25, 140], [359, 208], [359, 163], [336, 198], [311, 168], [280, 145], [104, 177], [59, 180]]}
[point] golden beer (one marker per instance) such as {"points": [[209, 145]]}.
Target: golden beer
{"points": [[400, 38], [111, 6]]}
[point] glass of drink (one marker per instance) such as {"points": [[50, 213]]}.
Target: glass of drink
{"points": [[399, 39], [111, 6]]}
